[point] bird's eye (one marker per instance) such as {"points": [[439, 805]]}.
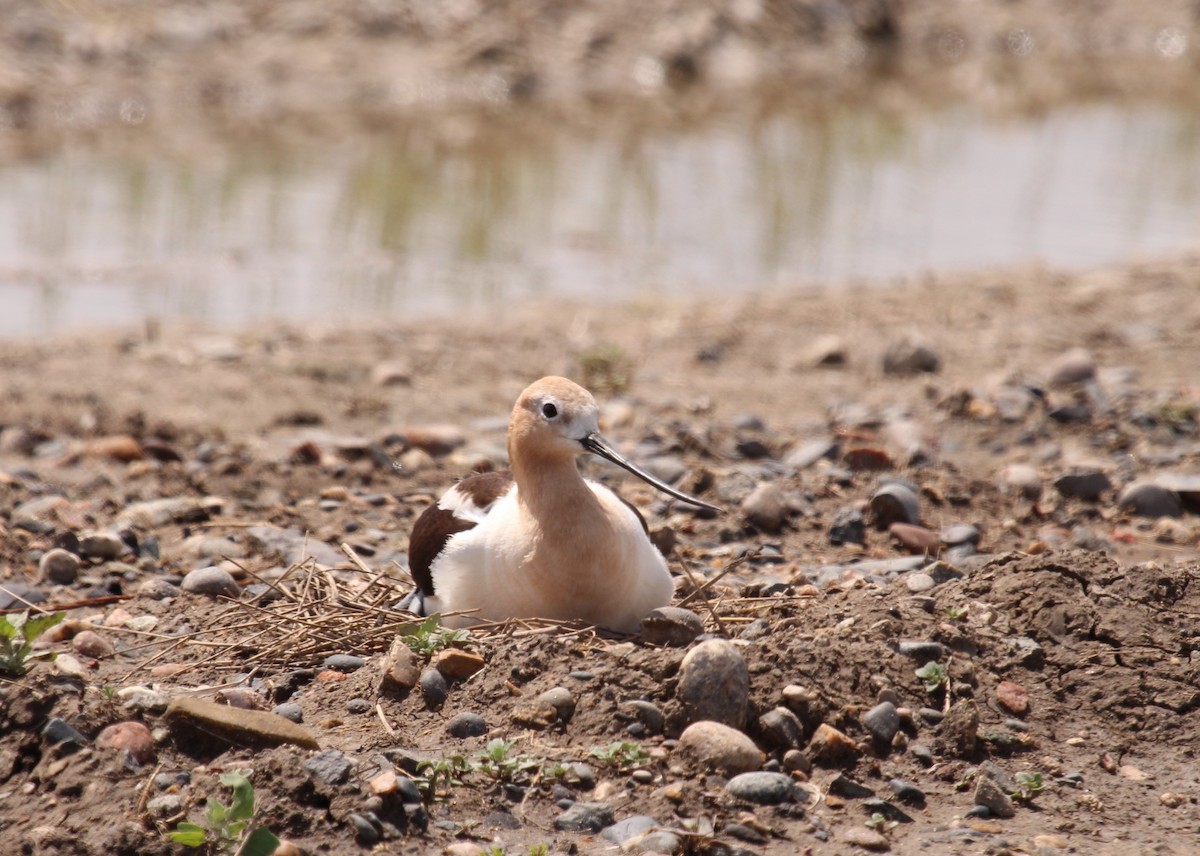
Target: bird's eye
{"points": [[549, 410]]}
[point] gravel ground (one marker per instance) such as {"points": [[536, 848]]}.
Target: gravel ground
{"points": [[1027, 441]]}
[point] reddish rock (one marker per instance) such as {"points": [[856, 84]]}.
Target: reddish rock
{"points": [[868, 459], [132, 737], [331, 675], [119, 447], [456, 664], [1013, 698], [829, 746], [243, 697], [915, 539]]}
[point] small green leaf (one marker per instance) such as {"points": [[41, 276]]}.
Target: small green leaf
{"points": [[242, 807], [260, 842], [9, 628], [35, 627], [188, 834], [234, 830], [216, 813]]}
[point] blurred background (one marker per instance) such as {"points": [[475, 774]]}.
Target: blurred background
{"points": [[237, 163]]}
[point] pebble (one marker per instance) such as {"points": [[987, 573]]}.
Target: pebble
{"points": [[916, 539], [1147, 499], [330, 766], [918, 582], [580, 776], [358, 705], [910, 355], [719, 747], [400, 670], [673, 626], [960, 533], [165, 805], [761, 788], [765, 508], [252, 727], [882, 722], [345, 663], [1087, 485], [155, 513], [828, 745], [805, 455], [156, 588], [1022, 480], [1012, 697], [647, 713], [989, 795], [102, 546], [742, 832], [89, 643], [714, 684], [59, 566], [1073, 366], [781, 729], [844, 786], [131, 737], [143, 699], [848, 527], [211, 581], [922, 650], [907, 792], [364, 831], [466, 724], [561, 700], [289, 710], [585, 817], [457, 664], [630, 827], [867, 839], [434, 688], [70, 666], [894, 503], [60, 732], [922, 753]]}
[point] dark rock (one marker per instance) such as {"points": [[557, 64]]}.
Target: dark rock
{"points": [[989, 795], [922, 650], [844, 786], [59, 566], [848, 527], [465, 725], [343, 662], [288, 710], [1087, 485], [58, 732], [907, 792], [1148, 499], [647, 713], [910, 355], [330, 766], [358, 705], [364, 831], [781, 729], [211, 581], [888, 809], [585, 817], [882, 721], [434, 688]]}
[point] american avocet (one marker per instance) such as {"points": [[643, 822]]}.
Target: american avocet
{"points": [[541, 541]]}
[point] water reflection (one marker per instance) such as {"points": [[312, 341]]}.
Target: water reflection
{"points": [[400, 227]]}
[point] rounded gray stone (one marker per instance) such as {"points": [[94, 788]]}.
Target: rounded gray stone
{"points": [[714, 684], [671, 625], [895, 503], [211, 581], [918, 581], [765, 508], [718, 747], [466, 724], [630, 827], [1147, 499], [761, 788], [59, 566], [102, 546], [329, 766], [882, 721], [585, 817], [561, 700]]}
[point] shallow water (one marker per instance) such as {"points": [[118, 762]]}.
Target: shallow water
{"points": [[398, 227]]}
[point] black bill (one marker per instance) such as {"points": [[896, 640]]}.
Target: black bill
{"points": [[597, 445]]}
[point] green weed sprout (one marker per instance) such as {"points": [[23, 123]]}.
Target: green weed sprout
{"points": [[18, 632], [225, 826]]}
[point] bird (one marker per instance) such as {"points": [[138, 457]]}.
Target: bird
{"points": [[539, 540]]}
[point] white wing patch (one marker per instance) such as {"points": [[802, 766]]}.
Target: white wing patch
{"points": [[463, 506]]}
